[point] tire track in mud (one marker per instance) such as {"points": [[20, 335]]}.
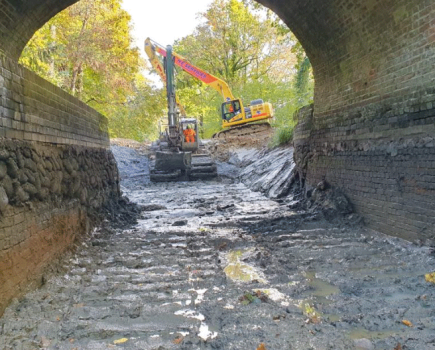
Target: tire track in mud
{"points": [[297, 281]]}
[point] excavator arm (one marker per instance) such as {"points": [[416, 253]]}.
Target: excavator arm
{"points": [[158, 66], [233, 112], [218, 84]]}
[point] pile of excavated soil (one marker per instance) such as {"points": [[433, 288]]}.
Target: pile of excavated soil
{"points": [[222, 148]]}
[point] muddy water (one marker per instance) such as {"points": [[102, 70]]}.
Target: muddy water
{"points": [[216, 266]]}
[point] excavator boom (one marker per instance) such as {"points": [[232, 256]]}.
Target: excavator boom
{"points": [[157, 64], [233, 112], [218, 84]]}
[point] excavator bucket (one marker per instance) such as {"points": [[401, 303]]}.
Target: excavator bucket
{"points": [[167, 161], [171, 166]]}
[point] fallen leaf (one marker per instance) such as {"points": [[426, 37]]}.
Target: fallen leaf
{"points": [[262, 347], [398, 347], [178, 340], [121, 341], [315, 319], [407, 323], [430, 277]]}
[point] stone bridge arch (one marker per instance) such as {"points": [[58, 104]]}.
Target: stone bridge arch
{"points": [[371, 132]]}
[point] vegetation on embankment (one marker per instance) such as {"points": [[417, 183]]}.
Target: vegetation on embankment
{"points": [[88, 51]]}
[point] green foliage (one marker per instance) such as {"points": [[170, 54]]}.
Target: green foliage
{"points": [[87, 51], [254, 52], [282, 136]]}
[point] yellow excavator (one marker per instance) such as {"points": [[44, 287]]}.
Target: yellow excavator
{"points": [[234, 113]]}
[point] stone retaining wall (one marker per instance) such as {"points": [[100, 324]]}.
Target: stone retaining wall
{"points": [[45, 193], [55, 166]]}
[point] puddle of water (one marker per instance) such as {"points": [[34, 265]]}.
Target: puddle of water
{"points": [[332, 317], [360, 333], [240, 271], [321, 288]]}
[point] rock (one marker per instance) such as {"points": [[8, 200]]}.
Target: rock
{"points": [[8, 186], [153, 207], [30, 164], [20, 160], [68, 166], [43, 194], [180, 223], [83, 196], [363, 344], [292, 309], [322, 185], [4, 200], [224, 206], [48, 165], [4, 154], [22, 177], [30, 176], [30, 189], [36, 156], [41, 168], [12, 168], [3, 170], [27, 153], [21, 195]]}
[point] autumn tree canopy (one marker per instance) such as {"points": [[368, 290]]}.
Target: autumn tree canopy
{"points": [[88, 50]]}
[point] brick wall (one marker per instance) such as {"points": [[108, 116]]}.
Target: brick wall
{"points": [[30, 241], [372, 128], [33, 109], [46, 192], [382, 156], [19, 19], [363, 51], [55, 166]]}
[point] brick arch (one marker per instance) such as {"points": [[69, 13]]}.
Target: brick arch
{"points": [[20, 19], [360, 49]]}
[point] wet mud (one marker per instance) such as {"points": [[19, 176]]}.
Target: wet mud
{"points": [[214, 265]]}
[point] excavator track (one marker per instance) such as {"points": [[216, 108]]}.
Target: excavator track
{"points": [[202, 168], [252, 130]]}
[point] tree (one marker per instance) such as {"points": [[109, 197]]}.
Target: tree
{"points": [[87, 50], [249, 48]]}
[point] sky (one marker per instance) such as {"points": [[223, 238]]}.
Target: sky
{"points": [[164, 21]]}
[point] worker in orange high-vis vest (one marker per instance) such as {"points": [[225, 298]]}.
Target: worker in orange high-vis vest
{"points": [[189, 134]]}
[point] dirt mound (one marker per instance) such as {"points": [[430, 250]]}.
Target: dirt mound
{"points": [[222, 147]]}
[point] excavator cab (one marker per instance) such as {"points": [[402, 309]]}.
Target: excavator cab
{"points": [[189, 134], [232, 109]]}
